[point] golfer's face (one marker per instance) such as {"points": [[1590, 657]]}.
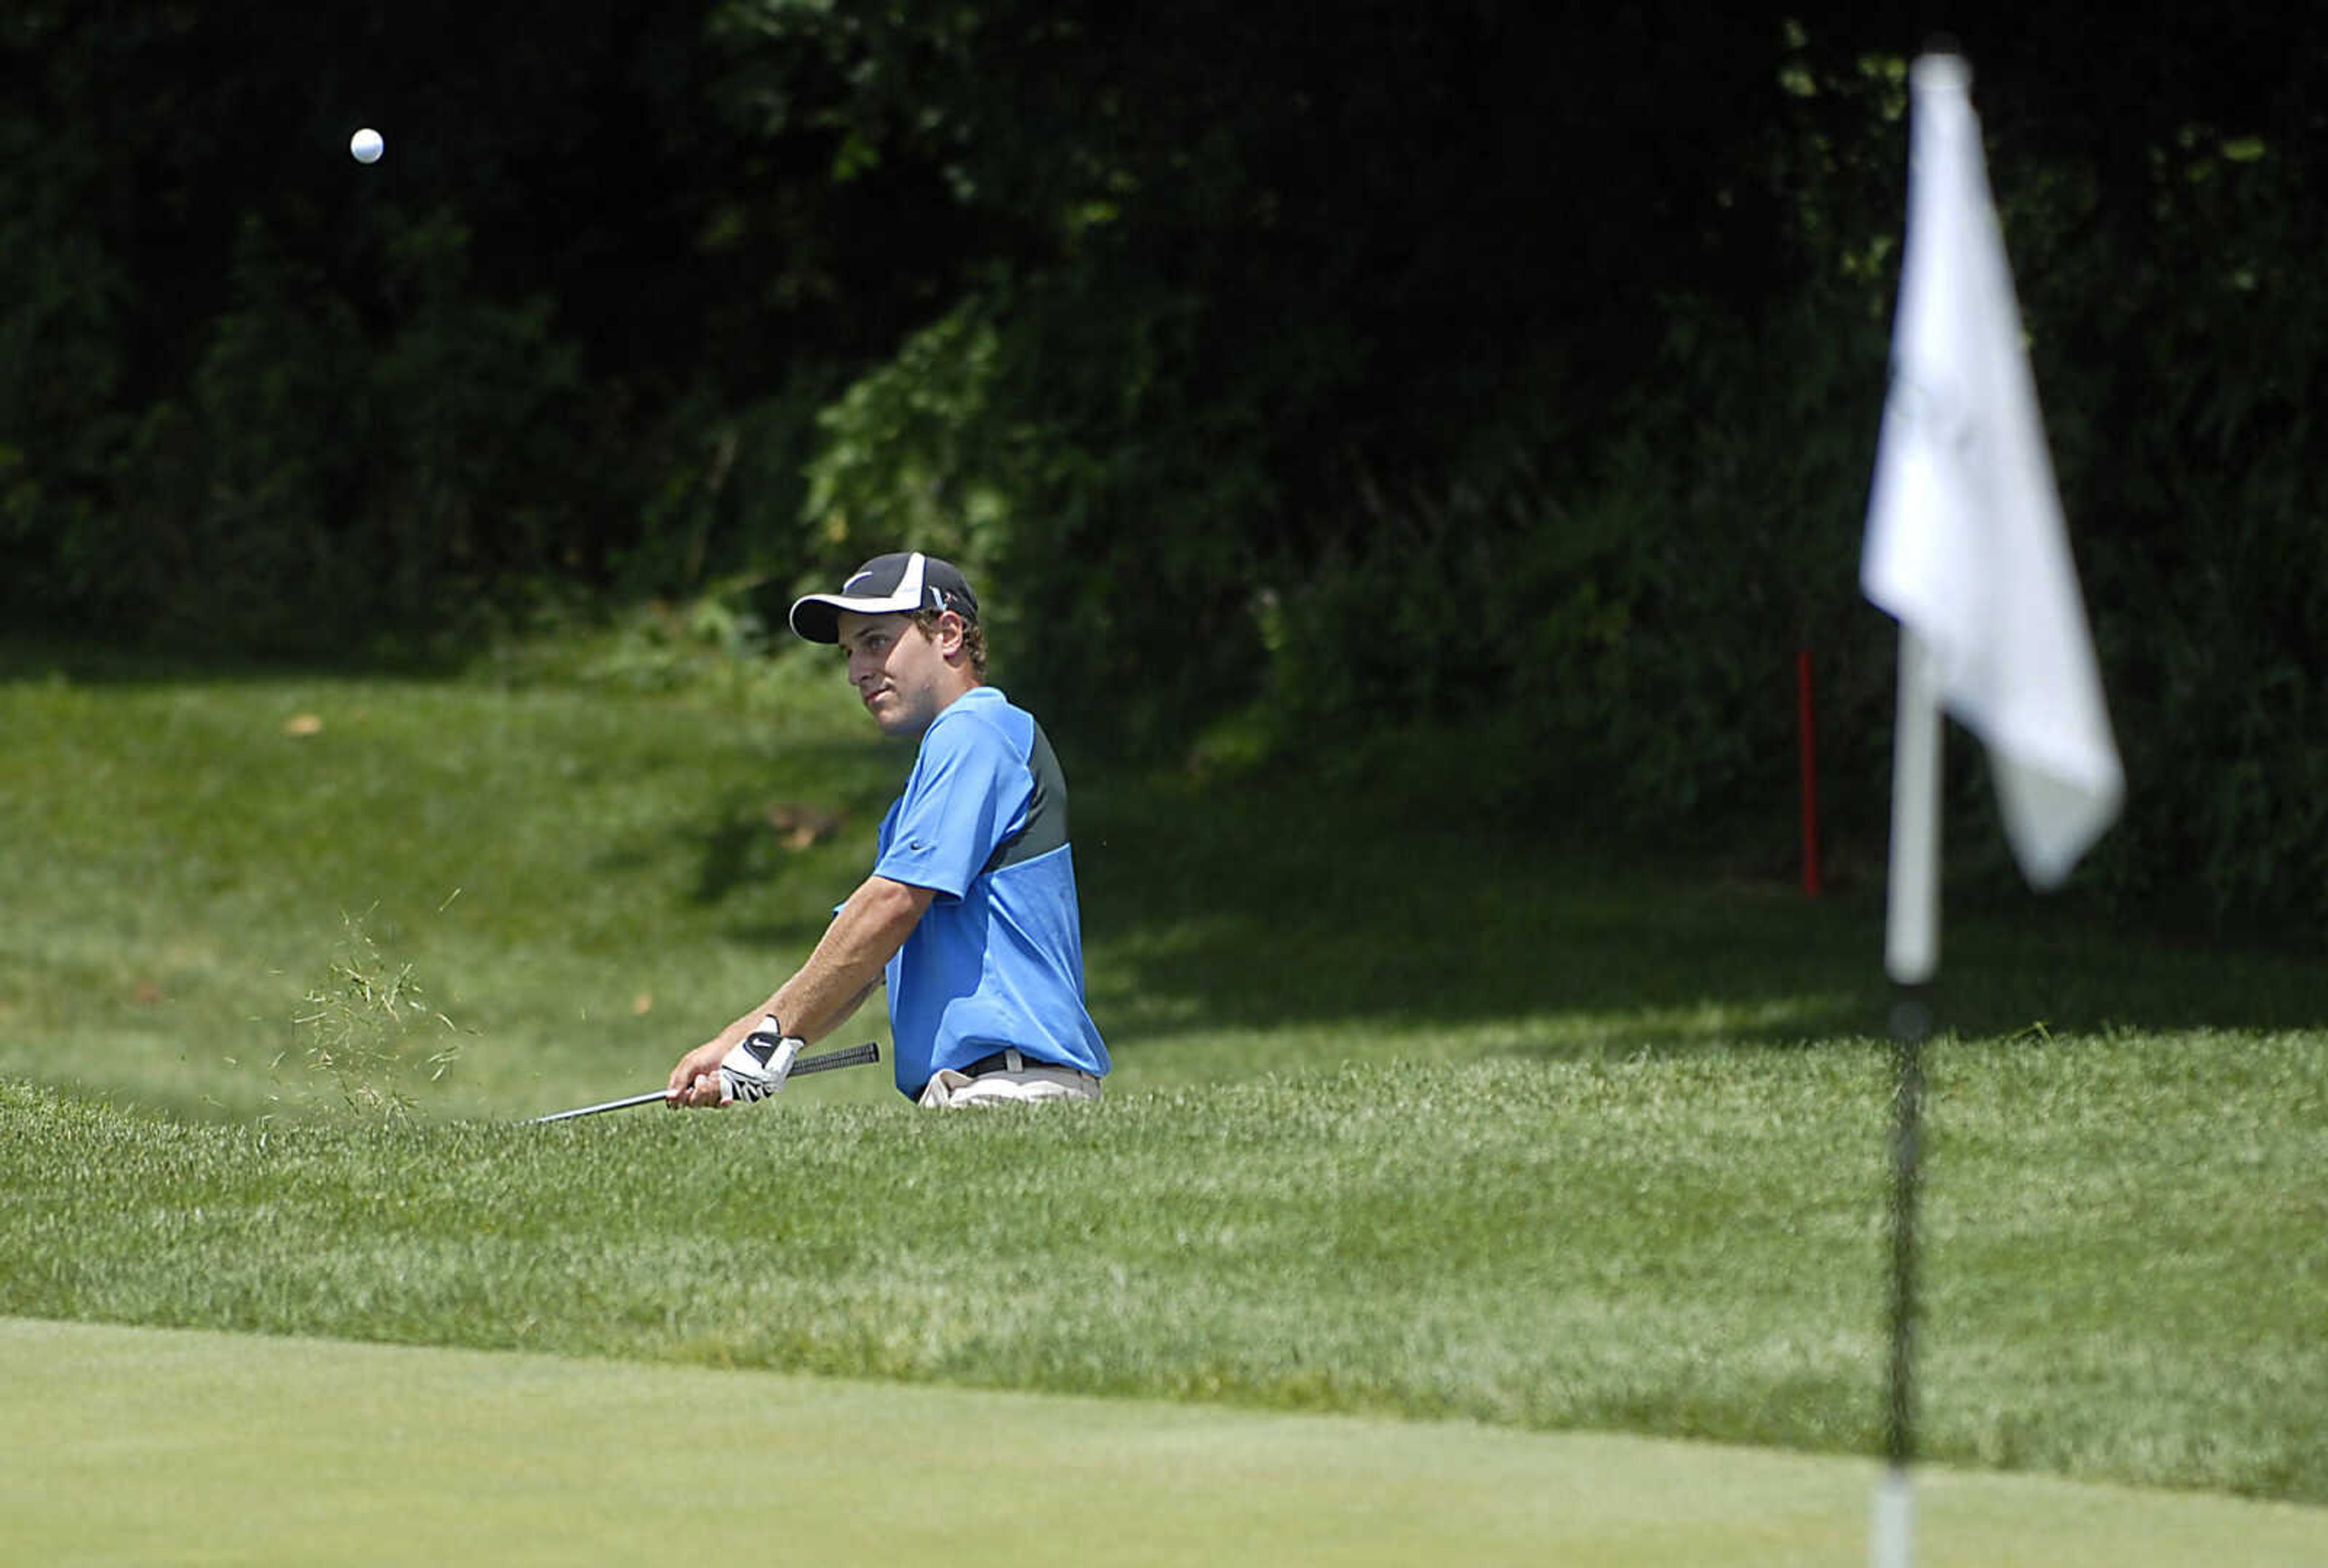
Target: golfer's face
{"points": [[899, 673]]}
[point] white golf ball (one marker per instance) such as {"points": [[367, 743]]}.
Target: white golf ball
{"points": [[367, 146]]}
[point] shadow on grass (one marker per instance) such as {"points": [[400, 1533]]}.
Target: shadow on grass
{"points": [[32, 661], [1256, 909], [1258, 905], [801, 836]]}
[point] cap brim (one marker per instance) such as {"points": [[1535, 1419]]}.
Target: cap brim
{"points": [[817, 617]]}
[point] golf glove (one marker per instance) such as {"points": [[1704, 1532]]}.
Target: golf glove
{"points": [[756, 1068]]}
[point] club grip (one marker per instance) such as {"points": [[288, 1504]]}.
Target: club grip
{"points": [[854, 1057]]}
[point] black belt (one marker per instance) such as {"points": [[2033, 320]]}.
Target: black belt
{"points": [[1000, 1062]]}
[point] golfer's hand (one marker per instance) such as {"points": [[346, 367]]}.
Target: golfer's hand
{"points": [[757, 1067], [718, 1073], [695, 1082]]}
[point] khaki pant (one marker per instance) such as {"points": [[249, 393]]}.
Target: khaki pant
{"points": [[1020, 1083]]}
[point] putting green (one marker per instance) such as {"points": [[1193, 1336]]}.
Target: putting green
{"points": [[160, 1446]]}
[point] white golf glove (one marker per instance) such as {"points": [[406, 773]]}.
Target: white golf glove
{"points": [[757, 1068]]}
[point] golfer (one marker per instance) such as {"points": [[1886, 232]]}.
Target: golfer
{"points": [[970, 915]]}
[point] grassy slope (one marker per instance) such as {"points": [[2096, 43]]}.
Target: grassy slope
{"points": [[584, 880], [1638, 1186]]}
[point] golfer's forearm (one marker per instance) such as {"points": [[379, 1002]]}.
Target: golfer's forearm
{"points": [[805, 1010], [847, 962]]}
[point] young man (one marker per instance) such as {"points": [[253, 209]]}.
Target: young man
{"points": [[970, 915]]}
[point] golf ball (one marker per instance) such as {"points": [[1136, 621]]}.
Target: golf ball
{"points": [[367, 146]]}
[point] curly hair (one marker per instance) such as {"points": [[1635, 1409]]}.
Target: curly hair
{"points": [[973, 638]]}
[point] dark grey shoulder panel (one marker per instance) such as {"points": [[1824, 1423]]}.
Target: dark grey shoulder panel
{"points": [[1047, 810]]}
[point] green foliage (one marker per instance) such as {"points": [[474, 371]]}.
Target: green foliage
{"points": [[481, 407], [309, 480], [1231, 352], [1642, 603], [258, 398], [314, 481], [2176, 350], [1047, 445], [1615, 636], [62, 352], [731, 491], [261, 466], [909, 455]]}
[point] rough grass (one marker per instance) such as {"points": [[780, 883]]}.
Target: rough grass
{"points": [[1686, 1243], [1412, 1117]]}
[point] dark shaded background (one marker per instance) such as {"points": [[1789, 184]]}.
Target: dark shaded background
{"points": [[1475, 401]]}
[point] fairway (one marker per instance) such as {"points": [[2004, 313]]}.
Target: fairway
{"points": [[167, 1446]]}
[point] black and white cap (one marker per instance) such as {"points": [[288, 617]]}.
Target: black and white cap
{"points": [[887, 585]]}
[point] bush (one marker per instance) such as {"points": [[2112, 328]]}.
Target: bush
{"points": [[1040, 435], [2180, 352], [307, 481]]}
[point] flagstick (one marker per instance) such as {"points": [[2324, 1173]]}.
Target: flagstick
{"points": [[1895, 1516], [1911, 930], [1911, 956], [1967, 548]]}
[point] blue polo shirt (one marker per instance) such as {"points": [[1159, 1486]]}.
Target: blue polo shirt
{"points": [[997, 960]]}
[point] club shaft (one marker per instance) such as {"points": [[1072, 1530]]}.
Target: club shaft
{"points": [[623, 1105], [853, 1056]]}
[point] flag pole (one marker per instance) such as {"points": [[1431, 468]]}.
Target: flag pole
{"points": [[1911, 957], [1911, 926], [1967, 549]]}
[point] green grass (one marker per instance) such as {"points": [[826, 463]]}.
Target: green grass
{"points": [[247, 1449], [550, 862], [1416, 1115], [2122, 1285], [582, 877]]}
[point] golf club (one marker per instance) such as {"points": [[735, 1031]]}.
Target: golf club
{"points": [[854, 1057]]}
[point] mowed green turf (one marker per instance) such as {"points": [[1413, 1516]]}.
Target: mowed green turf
{"points": [[162, 1447]]}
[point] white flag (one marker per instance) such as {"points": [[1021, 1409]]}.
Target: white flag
{"points": [[1964, 538]]}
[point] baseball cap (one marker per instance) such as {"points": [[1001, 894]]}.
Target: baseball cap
{"points": [[887, 585]]}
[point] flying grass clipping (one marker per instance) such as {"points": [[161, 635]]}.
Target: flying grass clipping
{"points": [[368, 1032]]}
